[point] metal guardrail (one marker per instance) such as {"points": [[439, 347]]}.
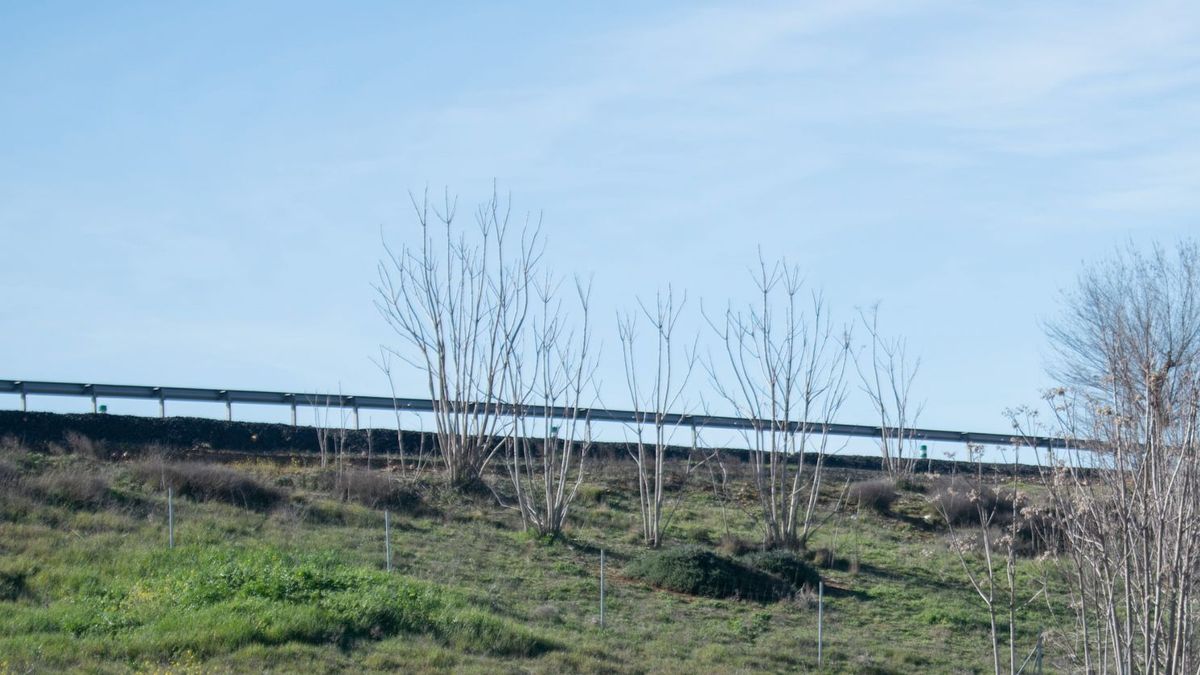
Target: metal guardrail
{"points": [[24, 388]]}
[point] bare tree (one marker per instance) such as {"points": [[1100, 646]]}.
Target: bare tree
{"points": [[653, 401], [331, 439], [886, 378], [988, 556], [384, 363], [546, 461], [459, 304], [788, 371], [1127, 489]]}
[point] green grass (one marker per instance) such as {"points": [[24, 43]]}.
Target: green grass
{"points": [[302, 586]]}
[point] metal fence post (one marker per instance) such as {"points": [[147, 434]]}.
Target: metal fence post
{"points": [[820, 622], [387, 538], [602, 588]]}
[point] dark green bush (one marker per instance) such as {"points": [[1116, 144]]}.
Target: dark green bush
{"points": [[209, 482], [786, 565], [697, 571], [13, 582]]}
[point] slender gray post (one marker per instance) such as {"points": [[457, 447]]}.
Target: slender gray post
{"points": [[356, 416], [387, 537], [820, 620], [602, 588], [95, 405], [170, 519], [228, 410], [24, 403], [293, 412], [162, 406]]}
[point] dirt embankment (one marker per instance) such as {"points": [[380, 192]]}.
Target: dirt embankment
{"points": [[197, 436]]}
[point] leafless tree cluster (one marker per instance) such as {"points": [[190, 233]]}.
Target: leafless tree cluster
{"points": [[1128, 492], [546, 455], [461, 303], [653, 398], [784, 366], [488, 331], [332, 431], [886, 372]]}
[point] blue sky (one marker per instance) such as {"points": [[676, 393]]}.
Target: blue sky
{"points": [[192, 194]]}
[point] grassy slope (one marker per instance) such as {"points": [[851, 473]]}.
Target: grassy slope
{"points": [[301, 587]]}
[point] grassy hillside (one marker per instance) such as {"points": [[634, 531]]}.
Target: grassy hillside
{"points": [[279, 565]]}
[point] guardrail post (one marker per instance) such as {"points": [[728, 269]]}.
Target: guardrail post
{"points": [[228, 409], [162, 405], [293, 411], [24, 403], [95, 404]]}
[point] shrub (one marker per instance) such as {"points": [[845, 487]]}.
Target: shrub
{"points": [[912, 484], [79, 444], [958, 502], [786, 565], [13, 582], [696, 571], [10, 473], [822, 557], [732, 545], [71, 489], [878, 495], [372, 489], [204, 482], [595, 494], [11, 445]]}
